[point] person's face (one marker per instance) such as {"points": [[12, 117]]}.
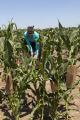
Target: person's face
{"points": [[30, 31], [30, 34]]}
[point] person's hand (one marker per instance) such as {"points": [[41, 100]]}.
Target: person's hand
{"points": [[34, 53], [31, 53], [36, 57]]}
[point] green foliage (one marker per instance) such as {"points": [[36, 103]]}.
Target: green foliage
{"points": [[52, 66]]}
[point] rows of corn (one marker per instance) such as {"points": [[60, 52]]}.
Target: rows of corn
{"points": [[59, 51]]}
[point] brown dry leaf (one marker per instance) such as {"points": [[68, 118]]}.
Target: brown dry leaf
{"points": [[71, 75], [53, 86], [9, 84]]}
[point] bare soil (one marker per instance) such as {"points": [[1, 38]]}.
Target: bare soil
{"points": [[28, 105]]}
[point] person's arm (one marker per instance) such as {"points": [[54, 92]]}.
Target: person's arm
{"points": [[36, 35], [37, 43], [31, 50], [37, 48], [25, 35]]}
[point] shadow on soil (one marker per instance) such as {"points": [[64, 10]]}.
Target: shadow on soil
{"points": [[26, 109]]}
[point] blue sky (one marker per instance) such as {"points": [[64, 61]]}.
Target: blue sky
{"points": [[40, 13]]}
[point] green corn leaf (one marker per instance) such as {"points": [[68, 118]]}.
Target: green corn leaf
{"points": [[34, 110], [3, 117]]}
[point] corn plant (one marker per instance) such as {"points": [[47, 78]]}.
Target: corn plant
{"points": [[52, 65], [13, 73], [72, 50]]}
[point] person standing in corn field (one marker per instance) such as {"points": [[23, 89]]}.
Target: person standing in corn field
{"points": [[31, 37]]}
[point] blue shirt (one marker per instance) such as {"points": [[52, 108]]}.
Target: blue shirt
{"points": [[32, 39]]}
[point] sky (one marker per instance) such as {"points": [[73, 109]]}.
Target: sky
{"points": [[40, 13]]}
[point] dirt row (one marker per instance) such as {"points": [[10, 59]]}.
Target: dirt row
{"points": [[27, 108]]}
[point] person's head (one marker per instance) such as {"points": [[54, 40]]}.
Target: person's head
{"points": [[30, 31]]}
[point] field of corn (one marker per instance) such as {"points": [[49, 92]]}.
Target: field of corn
{"points": [[25, 88]]}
